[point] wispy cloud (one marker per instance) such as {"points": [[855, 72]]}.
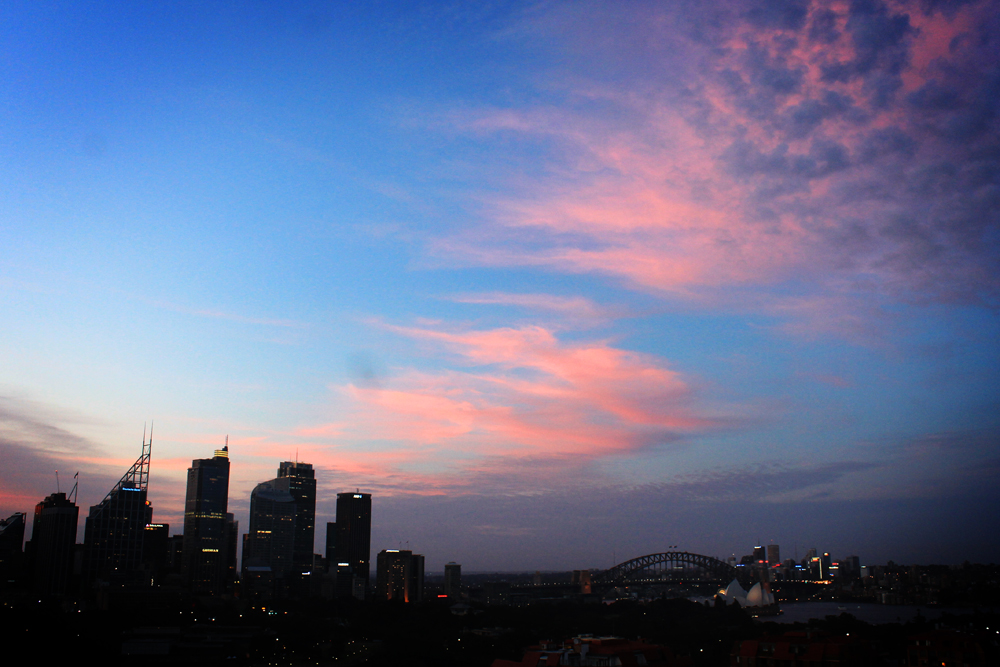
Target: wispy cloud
{"points": [[42, 427], [524, 401], [224, 315], [847, 148], [577, 309]]}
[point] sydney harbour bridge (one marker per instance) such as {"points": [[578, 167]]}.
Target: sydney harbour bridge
{"points": [[657, 573], [669, 566]]}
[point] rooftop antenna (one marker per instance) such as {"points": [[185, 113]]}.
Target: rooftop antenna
{"points": [[76, 482], [57, 481], [227, 443]]}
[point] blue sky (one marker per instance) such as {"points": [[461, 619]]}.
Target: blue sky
{"points": [[602, 276]]}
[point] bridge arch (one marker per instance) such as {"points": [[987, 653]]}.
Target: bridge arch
{"points": [[663, 565]]}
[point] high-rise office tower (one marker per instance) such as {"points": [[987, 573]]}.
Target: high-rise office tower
{"points": [[175, 552], [773, 555], [11, 549], [156, 550], [300, 481], [53, 540], [399, 575], [269, 545], [206, 542], [331, 546], [452, 579], [354, 542], [113, 533], [232, 541]]}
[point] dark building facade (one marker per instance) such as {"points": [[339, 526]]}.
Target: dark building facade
{"points": [[113, 533], [452, 579], [331, 545], [299, 479], [773, 555], [353, 543], [53, 541], [269, 545], [400, 575], [11, 549], [204, 563], [156, 551], [232, 542]]}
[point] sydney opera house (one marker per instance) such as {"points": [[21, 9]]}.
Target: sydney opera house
{"points": [[759, 596]]}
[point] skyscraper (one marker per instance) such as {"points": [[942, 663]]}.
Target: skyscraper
{"points": [[399, 576], [113, 533], [269, 545], [205, 559], [232, 541], [156, 551], [825, 562], [53, 539], [773, 555], [11, 549], [300, 481], [331, 546], [452, 579], [354, 540]]}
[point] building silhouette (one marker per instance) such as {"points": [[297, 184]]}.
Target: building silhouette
{"points": [[452, 579], [113, 533], [232, 543], [399, 576], [269, 545], [331, 546], [156, 551], [352, 554], [11, 549], [204, 560], [299, 479], [773, 555], [53, 543]]}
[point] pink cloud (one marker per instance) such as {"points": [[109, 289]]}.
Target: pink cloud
{"points": [[527, 394], [576, 308], [331, 430], [781, 151]]}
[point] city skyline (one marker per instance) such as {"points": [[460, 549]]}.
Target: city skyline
{"points": [[609, 277], [285, 547]]}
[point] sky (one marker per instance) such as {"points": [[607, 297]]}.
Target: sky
{"points": [[559, 283]]}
